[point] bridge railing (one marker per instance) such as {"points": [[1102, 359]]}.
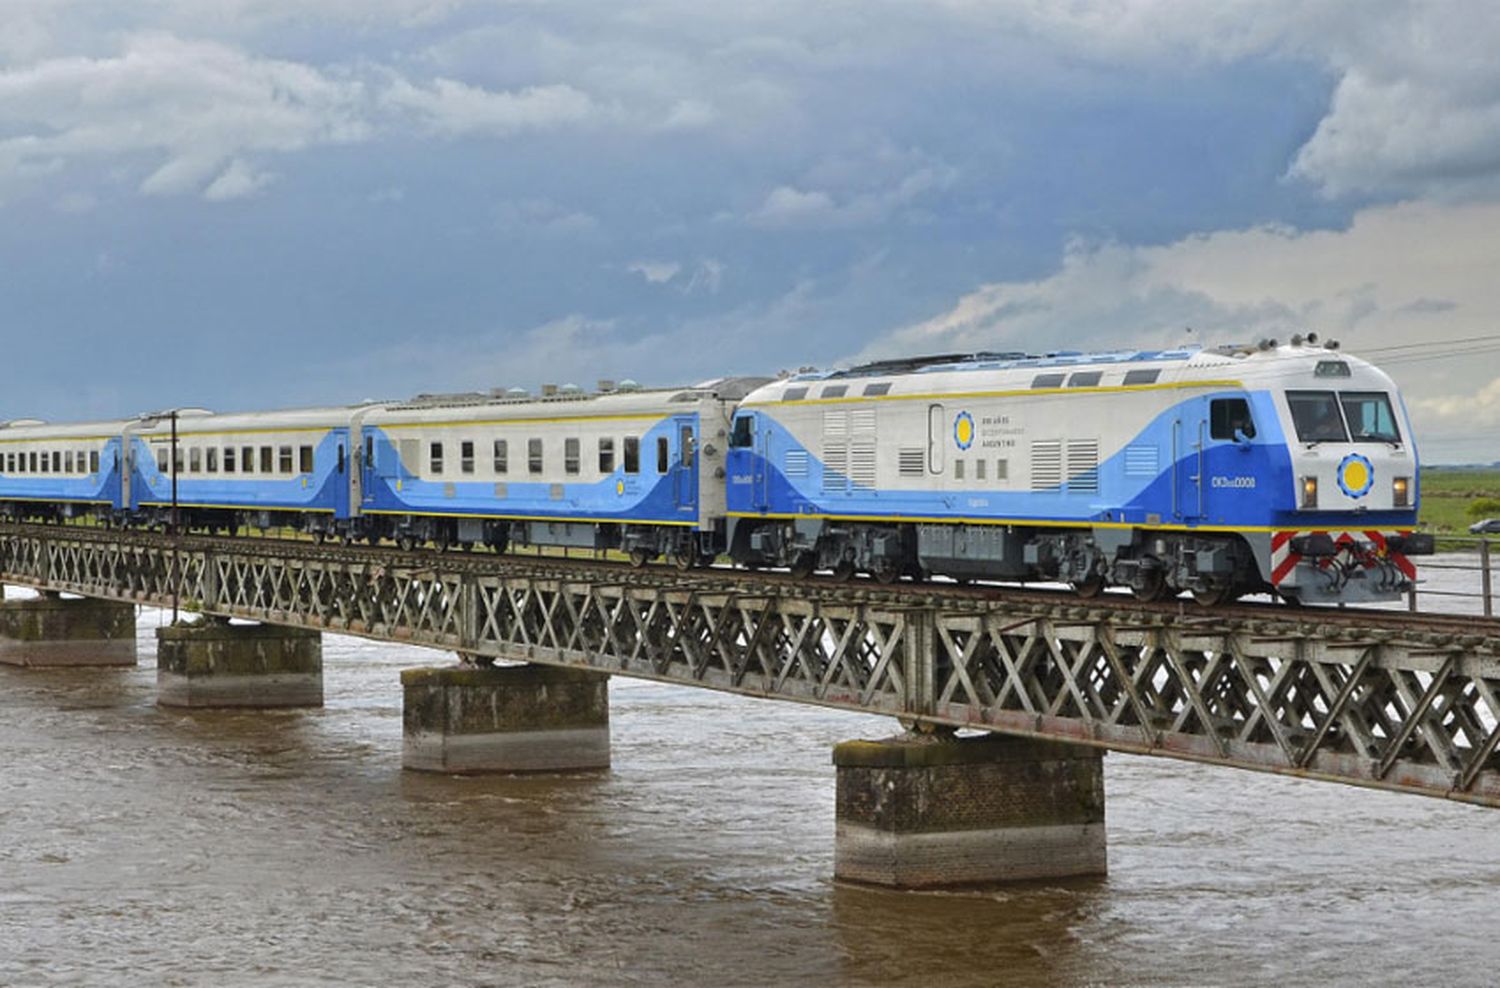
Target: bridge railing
{"points": [[1477, 594]]}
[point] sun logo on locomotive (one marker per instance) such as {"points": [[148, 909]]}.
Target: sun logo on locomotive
{"points": [[1356, 475], [963, 430], [619, 488]]}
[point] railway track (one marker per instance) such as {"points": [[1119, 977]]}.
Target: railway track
{"points": [[1254, 617]]}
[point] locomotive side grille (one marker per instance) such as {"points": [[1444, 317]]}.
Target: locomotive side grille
{"points": [[796, 463], [835, 451], [911, 461], [1141, 461], [1083, 465], [862, 447], [1046, 464]]}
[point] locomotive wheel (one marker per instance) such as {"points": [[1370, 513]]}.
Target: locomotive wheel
{"points": [[844, 571], [1214, 596], [406, 543], [685, 558], [639, 558], [886, 571], [705, 560], [1090, 588], [803, 566], [1151, 588]]}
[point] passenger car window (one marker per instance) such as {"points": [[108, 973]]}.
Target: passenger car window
{"points": [[661, 454], [1316, 416], [632, 454], [571, 456], [606, 456], [1085, 379], [1370, 417], [304, 459], [534, 455], [1225, 415], [466, 457], [502, 456], [1047, 381]]}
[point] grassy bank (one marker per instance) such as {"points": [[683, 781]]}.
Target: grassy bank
{"points": [[1452, 500]]}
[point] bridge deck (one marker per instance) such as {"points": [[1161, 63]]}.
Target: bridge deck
{"points": [[1399, 701]]}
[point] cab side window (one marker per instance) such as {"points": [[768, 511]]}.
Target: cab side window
{"points": [[1228, 415]]}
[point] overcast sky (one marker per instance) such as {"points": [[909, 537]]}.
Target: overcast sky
{"points": [[251, 203]]}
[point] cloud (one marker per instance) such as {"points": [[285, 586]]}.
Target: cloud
{"points": [[655, 272], [453, 109], [199, 105], [238, 181], [1397, 275], [786, 206], [545, 217], [205, 111], [868, 188]]}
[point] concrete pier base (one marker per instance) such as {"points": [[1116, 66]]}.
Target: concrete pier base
{"points": [[510, 719], [928, 812], [50, 631], [216, 664]]}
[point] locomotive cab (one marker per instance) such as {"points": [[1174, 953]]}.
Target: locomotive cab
{"points": [[1354, 486]]}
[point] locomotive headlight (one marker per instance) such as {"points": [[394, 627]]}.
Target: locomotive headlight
{"points": [[1309, 492], [1401, 492]]}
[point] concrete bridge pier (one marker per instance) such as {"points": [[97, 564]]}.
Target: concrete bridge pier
{"points": [[473, 719], [924, 811], [218, 664], [51, 631]]}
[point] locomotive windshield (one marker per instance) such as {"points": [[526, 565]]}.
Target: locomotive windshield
{"points": [[743, 434], [1370, 417], [1316, 415]]}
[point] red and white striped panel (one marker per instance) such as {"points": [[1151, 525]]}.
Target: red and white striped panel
{"points": [[1284, 560]]}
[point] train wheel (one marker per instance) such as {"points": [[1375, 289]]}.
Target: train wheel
{"points": [[844, 571], [803, 566], [639, 558], [1150, 587], [406, 543], [1090, 588], [1214, 596], [705, 560], [685, 558], [886, 571]]}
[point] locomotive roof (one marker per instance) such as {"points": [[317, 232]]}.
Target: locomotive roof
{"points": [[952, 372]]}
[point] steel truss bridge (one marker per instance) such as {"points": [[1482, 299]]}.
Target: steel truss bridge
{"points": [[1386, 699]]}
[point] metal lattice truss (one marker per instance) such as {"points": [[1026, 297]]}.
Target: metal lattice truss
{"points": [[1415, 711]]}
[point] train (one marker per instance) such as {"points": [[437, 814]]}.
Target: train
{"points": [[1218, 472]]}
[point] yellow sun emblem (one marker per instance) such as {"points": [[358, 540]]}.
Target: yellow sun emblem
{"points": [[963, 430]]}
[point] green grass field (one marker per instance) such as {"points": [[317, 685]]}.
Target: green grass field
{"points": [[1452, 500]]}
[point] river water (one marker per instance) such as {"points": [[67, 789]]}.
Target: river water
{"points": [[148, 846]]}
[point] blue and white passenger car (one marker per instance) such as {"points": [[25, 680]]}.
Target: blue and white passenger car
{"points": [[641, 471], [59, 471], [1216, 471]]}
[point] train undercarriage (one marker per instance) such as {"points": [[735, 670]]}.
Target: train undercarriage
{"points": [[1215, 568]]}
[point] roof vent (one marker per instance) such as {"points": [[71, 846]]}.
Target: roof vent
{"points": [[517, 393], [606, 386], [570, 389], [549, 390], [629, 385]]}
